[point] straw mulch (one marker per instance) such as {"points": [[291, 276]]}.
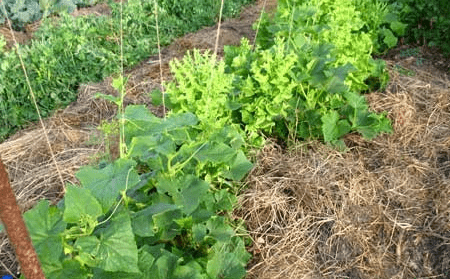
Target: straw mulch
{"points": [[380, 210]]}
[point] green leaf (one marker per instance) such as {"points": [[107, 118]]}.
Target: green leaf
{"points": [[150, 148], [218, 229], [166, 264], [186, 191], [229, 135], [165, 226], [146, 259], [398, 27], [317, 68], [356, 101], [118, 83], [45, 225], [225, 265], [390, 17], [105, 184], [117, 249], [364, 118], [368, 132], [389, 38], [142, 221], [233, 105], [199, 232], [333, 128], [339, 145], [141, 122], [224, 200], [69, 269], [374, 125], [189, 197], [87, 248], [157, 97], [189, 271], [79, 202], [215, 152], [379, 67], [229, 259], [384, 124], [239, 167], [337, 76], [177, 121], [300, 40]]}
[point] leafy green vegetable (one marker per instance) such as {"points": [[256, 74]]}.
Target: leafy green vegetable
{"points": [[46, 227], [333, 127], [201, 87], [235, 90], [333, 41], [75, 210], [301, 82], [161, 224], [106, 183], [116, 248]]}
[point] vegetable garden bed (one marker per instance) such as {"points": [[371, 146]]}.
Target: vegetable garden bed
{"points": [[360, 205]]}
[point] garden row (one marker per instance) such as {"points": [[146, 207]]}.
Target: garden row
{"points": [[69, 51], [163, 210]]}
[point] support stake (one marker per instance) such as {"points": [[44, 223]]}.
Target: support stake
{"points": [[16, 229]]}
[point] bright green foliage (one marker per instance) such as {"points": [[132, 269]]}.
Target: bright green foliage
{"points": [[351, 46], [264, 85], [201, 87], [381, 22], [160, 222], [333, 41], [301, 86], [77, 211], [65, 57], [357, 118], [342, 24], [235, 90], [213, 159], [108, 181]]}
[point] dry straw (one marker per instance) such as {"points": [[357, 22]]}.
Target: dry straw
{"points": [[381, 210]]}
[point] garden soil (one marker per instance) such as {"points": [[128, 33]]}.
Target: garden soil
{"points": [[379, 210]]}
